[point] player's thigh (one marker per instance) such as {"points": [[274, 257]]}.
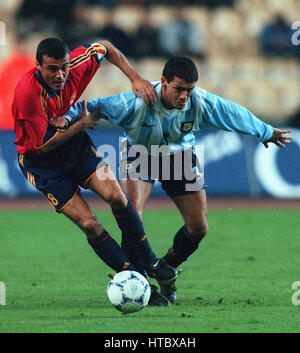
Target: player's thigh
{"points": [[138, 191], [193, 208]]}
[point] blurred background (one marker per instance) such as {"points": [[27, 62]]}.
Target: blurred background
{"points": [[243, 50]]}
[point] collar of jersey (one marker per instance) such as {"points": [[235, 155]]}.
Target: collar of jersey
{"points": [[50, 91]]}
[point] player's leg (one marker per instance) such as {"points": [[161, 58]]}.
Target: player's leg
{"points": [[102, 243], [138, 192], [92, 172], [189, 196], [193, 208], [135, 190], [134, 241], [105, 185]]}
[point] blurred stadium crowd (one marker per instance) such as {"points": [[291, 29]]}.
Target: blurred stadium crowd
{"points": [[243, 48]]}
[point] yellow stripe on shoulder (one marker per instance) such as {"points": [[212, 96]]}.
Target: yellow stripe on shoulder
{"points": [[81, 56], [83, 60]]}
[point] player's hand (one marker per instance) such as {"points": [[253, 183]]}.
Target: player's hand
{"points": [[89, 120], [59, 122], [279, 138], [144, 87]]}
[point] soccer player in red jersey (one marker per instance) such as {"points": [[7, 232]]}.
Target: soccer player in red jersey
{"points": [[57, 161]]}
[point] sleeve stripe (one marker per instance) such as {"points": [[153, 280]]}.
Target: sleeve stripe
{"points": [[89, 52], [80, 57], [82, 61], [79, 63]]}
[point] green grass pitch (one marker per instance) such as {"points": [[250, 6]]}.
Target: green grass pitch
{"points": [[239, 280]]}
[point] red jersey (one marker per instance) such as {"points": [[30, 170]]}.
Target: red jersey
{"points": [[35, 102]]}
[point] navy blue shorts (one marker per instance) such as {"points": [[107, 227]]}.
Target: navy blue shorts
{"points": [[177, 179], [58, 174]]}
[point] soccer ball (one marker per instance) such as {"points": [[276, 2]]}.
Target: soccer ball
{"points": [[128, 291]]}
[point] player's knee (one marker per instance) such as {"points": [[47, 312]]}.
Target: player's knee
{"points": [[117, 199], [198, 229], [90, 226]]}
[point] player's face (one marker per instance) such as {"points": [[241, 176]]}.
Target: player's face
{"points": [[55, 71], [176, 93]]}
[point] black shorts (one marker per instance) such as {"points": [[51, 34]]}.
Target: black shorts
{"points": [[58, 174], [179, 173]]}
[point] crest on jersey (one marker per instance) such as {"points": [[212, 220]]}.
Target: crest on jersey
{"points": [[186, 126]]}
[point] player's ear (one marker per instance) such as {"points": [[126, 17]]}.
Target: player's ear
{"points": [[38, 66], [164, 81]]}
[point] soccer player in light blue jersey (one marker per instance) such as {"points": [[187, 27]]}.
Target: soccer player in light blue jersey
{"points": [[181, 108]]}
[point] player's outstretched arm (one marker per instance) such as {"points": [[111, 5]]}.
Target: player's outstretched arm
{"points": [[139, 85], [279, 138]]}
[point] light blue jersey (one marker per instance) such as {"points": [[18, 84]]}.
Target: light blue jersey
{"points": [[152, 124]]}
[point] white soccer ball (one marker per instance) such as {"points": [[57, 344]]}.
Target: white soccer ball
{"points": [[129, 291]]}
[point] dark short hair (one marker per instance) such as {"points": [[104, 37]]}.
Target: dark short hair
{"points": [[52, 47], [181, 67]]}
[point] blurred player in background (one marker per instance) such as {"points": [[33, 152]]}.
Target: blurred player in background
{"points": [[58, 160], [180, 110], [12, 69]]}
